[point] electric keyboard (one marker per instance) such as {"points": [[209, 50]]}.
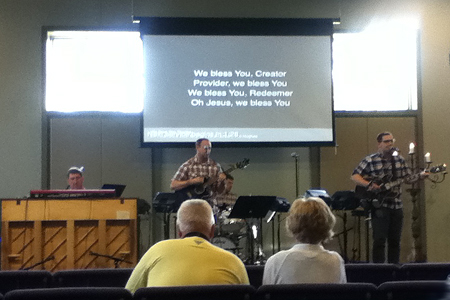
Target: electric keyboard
{"points": [[91, 193]]}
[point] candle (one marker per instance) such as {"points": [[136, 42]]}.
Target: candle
{"points": [[411, 148], [428, 157]]}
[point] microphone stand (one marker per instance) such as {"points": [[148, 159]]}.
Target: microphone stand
{"points": [[39, 263], [295, 156], [116, 260]]}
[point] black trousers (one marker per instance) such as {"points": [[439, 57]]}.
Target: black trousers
{"points": [[386, 227]]}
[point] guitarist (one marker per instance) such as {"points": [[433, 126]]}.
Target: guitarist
{"points": [[379, 173], [200, 176]]}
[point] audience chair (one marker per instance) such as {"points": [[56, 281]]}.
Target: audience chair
{"points": [[318, 291], [196, 292], [425, 271], [20, 279], [92, 278], [86, 293], [413, 290], [372, 273], [255, 274]]}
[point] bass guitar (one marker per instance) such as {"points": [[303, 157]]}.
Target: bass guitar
{"points": [[375, 198], [202, 191]]}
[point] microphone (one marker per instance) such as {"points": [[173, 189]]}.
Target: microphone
{"points": [[294, 154], [394, 151]]}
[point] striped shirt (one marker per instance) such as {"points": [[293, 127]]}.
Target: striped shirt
{"points": [[375, 167], [192, 168], [227, 199]]}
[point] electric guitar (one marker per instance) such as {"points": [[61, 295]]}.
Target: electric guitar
{"points": [[202, 191], [375, 198]]}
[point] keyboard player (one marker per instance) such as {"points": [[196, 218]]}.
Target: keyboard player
{"points": [[75, 178]]}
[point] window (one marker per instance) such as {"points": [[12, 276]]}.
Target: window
{"points": [[373, 70], [376, 70], [94, 71]]}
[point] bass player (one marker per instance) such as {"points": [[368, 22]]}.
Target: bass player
{"points": [[381, 174]]}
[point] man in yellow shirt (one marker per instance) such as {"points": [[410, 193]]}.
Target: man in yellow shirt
{"points": [[190, 260]]}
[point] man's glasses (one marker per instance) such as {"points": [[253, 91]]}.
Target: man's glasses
{"points": [[389, 141]]}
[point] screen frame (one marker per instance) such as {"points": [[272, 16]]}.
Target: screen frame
{"points": [[240, 27]]}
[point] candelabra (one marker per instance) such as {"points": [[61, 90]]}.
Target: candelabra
{"points": [[436, 175]]}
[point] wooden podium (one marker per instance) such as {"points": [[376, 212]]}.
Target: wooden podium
{"points": [[58, 234]]}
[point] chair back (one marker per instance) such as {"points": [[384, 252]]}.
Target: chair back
{"points": [[255, 274], [196, 292], [77, 293], [318, 291], [20, 279], [372, 273], [425, 271], [92, 278], [413, 290]]}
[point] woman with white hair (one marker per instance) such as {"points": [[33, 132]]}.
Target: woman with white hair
{"points": [[311, 222]]}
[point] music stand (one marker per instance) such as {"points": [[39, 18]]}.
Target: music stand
{"points": [[252, 207], [319, 193], [344, 201], [166, 203], [247, 207]]}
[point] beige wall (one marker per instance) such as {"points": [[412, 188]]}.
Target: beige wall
{"points": [[23, 153], [436, 109]]}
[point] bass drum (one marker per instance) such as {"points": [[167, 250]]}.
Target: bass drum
{"points": [[240, 250], [225, 243]]}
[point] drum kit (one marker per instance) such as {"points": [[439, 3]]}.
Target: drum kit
{"points": [[236, 235], [230, 234], [238, 228]]}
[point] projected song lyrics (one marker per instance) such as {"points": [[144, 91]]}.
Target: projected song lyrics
{"points": [[216, 88]]}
